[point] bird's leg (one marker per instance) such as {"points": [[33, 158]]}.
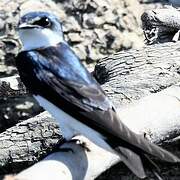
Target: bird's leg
{"points": [[75, 139], [78, 139], [147, 135]]}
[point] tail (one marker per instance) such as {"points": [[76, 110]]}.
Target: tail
{"points": [[136, 163], [151, 166], [132, 161], [139, 144], [142, 144], [133, 149]]}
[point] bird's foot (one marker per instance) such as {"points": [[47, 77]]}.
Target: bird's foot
{"points": [[80, 143]]}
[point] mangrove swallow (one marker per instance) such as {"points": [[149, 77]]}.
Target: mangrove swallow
{"points": [[62, 85]]}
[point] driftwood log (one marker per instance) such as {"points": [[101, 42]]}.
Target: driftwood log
{"points": [[130, 75], [15, 102], [161, 25], [27, 142], [144, 86]]}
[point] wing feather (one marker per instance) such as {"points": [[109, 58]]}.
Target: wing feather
{"points": [[60, 72]]}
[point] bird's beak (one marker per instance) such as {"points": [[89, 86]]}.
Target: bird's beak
{"points": [[27, 26]]}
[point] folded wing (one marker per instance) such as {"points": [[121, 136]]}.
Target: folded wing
{"points": [[59, 72]]}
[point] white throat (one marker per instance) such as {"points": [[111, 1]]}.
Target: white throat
{"points": [[38, 38]]}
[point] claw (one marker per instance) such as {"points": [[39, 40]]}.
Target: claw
{"points": [[80, 143]]}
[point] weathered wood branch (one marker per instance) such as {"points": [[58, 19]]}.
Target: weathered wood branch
{"points": [[27, 142], [130, 75], [142, 117], [77, 164], [12, 87], [157, 116], [161, 25]]}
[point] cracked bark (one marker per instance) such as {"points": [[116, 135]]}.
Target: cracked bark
{"points": [[12, 87], [27, 142], [161, 25], [130, 75], [15, 103]]}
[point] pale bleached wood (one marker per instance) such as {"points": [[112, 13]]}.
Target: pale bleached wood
{"points": [[76, 165], [156, 115]]}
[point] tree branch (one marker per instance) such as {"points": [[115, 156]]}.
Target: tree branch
{"points": [[130, 75], [161, 25], [12, 87], [28, 142]]}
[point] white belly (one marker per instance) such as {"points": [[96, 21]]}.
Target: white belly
{"points": [[70, 126]]}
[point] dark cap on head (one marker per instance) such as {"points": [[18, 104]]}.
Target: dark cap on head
{"points": [[41, 20]]}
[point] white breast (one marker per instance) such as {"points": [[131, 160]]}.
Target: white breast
{"points": [[69, 125]]}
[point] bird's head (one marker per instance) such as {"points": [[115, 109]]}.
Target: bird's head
{"points": [[39, 29]]}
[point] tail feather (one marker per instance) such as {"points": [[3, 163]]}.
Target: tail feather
{"points": [[133, 149], [136, 163], [132, 161], [151, 166], [139, 142]]}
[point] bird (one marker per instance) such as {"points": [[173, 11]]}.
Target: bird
{"points": [[62, 85]]}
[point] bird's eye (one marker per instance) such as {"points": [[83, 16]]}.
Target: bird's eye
{"points": [[44, 22]]}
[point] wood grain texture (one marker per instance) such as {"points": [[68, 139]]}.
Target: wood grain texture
{"points": [[27, 142], [130, 75], [161, 25]]}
